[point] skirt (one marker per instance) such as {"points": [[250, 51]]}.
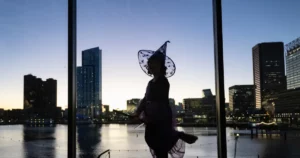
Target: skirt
{"points": [[160, 132]]}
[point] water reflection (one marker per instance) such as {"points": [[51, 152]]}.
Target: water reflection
{"points": [[88, 138], [20, 141], [38, 141]]}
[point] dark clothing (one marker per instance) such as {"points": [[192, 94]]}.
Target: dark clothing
{"points": [[158, 91], [160, 135], [161, 154]]}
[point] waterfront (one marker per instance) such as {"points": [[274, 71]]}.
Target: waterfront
{"points": [[18, 141]]}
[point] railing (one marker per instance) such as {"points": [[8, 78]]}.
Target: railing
{"points": [[139, 155], [106, 151]]}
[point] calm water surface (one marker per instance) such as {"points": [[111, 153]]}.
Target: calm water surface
{"points": [[18, 141]]}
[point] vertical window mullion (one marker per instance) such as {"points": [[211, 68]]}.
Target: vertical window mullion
{"points": [[219, 77], [72, 78]]}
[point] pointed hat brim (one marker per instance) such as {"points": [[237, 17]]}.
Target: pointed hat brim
{"points": [[144, 55]]}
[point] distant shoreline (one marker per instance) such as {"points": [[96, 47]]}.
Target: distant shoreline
{"points": [[179, 125], [243, 126]]}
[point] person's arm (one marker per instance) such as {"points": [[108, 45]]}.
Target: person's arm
{"points": [[140, 107]]}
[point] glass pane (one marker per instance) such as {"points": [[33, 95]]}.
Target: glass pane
{"points": [[33, 64], [261, 49], [109, 76]]}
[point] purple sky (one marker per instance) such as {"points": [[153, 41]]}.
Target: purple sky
{"points": [[33, 39]]}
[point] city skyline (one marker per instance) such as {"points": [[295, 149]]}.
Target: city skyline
{"points": [[109, 24]]}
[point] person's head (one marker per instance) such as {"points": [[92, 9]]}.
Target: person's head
{"points": [[156, 65]]}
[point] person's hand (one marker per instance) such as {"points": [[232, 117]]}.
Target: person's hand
{"points": [[138, 117]]}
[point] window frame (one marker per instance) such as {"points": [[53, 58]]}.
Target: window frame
{"points": [[219, 77]]}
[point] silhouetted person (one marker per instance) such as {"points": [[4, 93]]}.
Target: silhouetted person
{"points": [[160, 133]]}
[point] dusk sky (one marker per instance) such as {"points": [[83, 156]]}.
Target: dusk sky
{"points": [[33, 40]]}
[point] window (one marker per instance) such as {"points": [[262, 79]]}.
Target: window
{"points": [[242, 68], [113, 32], [33, 91], [106, 47]]}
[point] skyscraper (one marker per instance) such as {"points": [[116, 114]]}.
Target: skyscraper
{"points": [[85, 93], [40, 97], [50, 91], [241, 98], [89, 83], [268, 71], [293, 64], [79, 88]]}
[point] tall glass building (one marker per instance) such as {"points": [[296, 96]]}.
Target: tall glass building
{"points": [[89, 83], [79, 88], [293, 64], [268, 71]]}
